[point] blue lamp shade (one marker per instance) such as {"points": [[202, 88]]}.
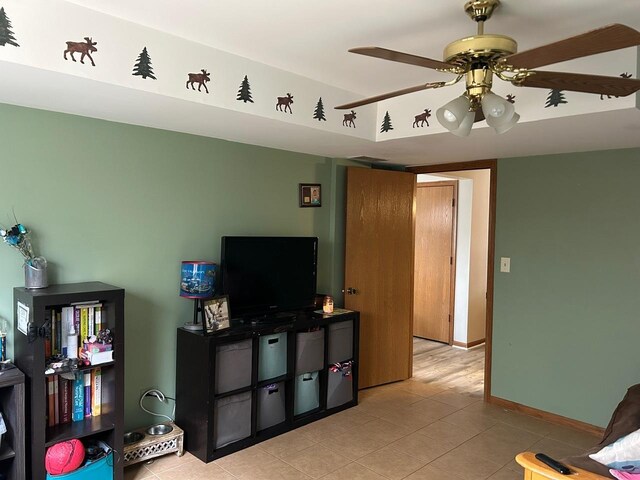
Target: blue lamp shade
{"points": [[197, 279]]}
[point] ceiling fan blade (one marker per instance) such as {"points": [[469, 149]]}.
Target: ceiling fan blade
{"points": [[604, 39], [384, 96], [576, 82], [479, 116], [394, 56]]}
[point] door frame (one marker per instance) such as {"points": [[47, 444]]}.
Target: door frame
{"points": [[492, 166], [454, 240]]}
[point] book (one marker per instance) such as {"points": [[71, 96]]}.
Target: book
{"points": [[58, 317], [64, 387], [98, 312], [67, 326], [51, 418], [91, 318], [96, 391], [96, 358], [54, 333], [87, 393], [76, 320], [84, 323], [56, 401], [78, 397]]}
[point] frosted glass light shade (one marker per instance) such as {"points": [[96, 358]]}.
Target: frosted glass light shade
{"points": [[507, 126], [497, 110], [465, 126], [452, 114]]}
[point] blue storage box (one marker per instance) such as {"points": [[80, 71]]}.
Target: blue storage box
{"points": [[307, 395], [101, 469], [272, 356]]}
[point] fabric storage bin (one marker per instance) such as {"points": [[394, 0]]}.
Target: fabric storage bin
{"points": [[272, 356], [340, 342], [232, 419], [339, 385], [307, 394], [233, 366], [309, 351], [101, 469], [271, 405]]}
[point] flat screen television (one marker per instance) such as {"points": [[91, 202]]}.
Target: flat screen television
{"points": [[267, 275]]}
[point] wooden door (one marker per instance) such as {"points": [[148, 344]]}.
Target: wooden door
{"points": [[379, 270], [434, 261]]}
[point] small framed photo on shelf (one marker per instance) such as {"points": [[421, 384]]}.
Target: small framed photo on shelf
{"points": [[216, 314], [310, 195]]}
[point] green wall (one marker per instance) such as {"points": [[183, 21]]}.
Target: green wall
{"points": [[567, 318], [125, 205]]}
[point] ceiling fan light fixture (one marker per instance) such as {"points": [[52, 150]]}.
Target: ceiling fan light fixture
{"points": [[497, 110], [508, 125], [465, 126], [454, 113]]}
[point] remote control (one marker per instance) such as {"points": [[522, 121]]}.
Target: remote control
{"points": [[556, 465]]}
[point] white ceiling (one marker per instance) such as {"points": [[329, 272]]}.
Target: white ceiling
{"points": [[311, 39]]}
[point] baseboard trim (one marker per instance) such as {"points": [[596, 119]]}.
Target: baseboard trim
{"points": [[475, 343], [547, 416]]}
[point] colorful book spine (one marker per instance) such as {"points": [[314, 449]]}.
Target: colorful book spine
{"points": [[98, 319], [91, 320], [76, 320], [96, 392], [58, 317], [87, 393], [84, 323], [78, 397], [51, 418], [56, 401], [54, 333], [64, 386], [67, 324]]}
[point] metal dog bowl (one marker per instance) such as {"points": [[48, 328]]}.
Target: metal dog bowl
{"points": [[160, 429], [132, 437]]}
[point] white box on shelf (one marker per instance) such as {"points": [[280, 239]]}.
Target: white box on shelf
{"points": [[96, 358]]}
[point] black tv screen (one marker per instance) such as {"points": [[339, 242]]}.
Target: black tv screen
{"points": [[263, 275]]}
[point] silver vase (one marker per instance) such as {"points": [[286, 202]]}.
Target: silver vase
{"points": [[35, 273]]}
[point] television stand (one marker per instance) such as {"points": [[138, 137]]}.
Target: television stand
{"points": [[270, 319]]}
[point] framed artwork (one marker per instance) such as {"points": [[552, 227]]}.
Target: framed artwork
{"points": [[310, 195], [216, 314]]}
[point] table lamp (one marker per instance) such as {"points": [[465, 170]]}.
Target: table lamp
{"points": [[197, 281]]}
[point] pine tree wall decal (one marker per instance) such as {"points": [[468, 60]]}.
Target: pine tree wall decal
{"points": [[386, 123], [555, 98], [318, 113], [6, 35], [143, 65], [244, 93]]}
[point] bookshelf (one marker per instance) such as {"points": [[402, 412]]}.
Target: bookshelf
{"points": [[31, 356], [12, 408]]}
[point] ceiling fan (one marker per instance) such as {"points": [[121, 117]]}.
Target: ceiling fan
{"points": [[478, 58]]}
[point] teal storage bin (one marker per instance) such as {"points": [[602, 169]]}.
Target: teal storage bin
{"points": [[272, 356], [307, 396], [101, 469]]}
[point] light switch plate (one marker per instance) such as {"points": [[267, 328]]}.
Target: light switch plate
{"points": [[505, 264]]}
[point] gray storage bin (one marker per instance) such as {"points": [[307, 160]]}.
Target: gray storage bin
{"points": [[232, 419], [340, 342], [271, 405], [309, 351], [307, 395], [339, 386], [233, 366], [272, 356]]}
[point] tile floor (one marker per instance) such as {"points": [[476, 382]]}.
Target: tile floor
{"points": [[431, 427]]}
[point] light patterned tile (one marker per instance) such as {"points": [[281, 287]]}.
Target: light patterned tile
{"points": [[506, 474], [455, 399], [290, 442], [355, 444], [571, 436], [195, 471], [244, 460], [353, 471], [453, 434], [466, 466], [422, 447], [138, 472], [391, 463], [277, 470], [172, 460], [316, 461], [430, 472]]}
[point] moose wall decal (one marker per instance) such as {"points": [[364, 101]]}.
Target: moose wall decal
{"points": [[422, 118], [286, 101], [200, 78], [349, 119], [85, 48]]}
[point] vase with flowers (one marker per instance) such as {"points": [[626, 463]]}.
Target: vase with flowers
{"points": [[35, 267]]}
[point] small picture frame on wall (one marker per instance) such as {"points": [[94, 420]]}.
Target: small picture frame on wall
{"points": [[310, 195], [216, 314]]}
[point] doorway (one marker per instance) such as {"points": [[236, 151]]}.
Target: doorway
{"points": [[467, 290]]}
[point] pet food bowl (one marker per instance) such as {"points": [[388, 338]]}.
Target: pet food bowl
{"points": [[132, 437], [160, 429]]}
